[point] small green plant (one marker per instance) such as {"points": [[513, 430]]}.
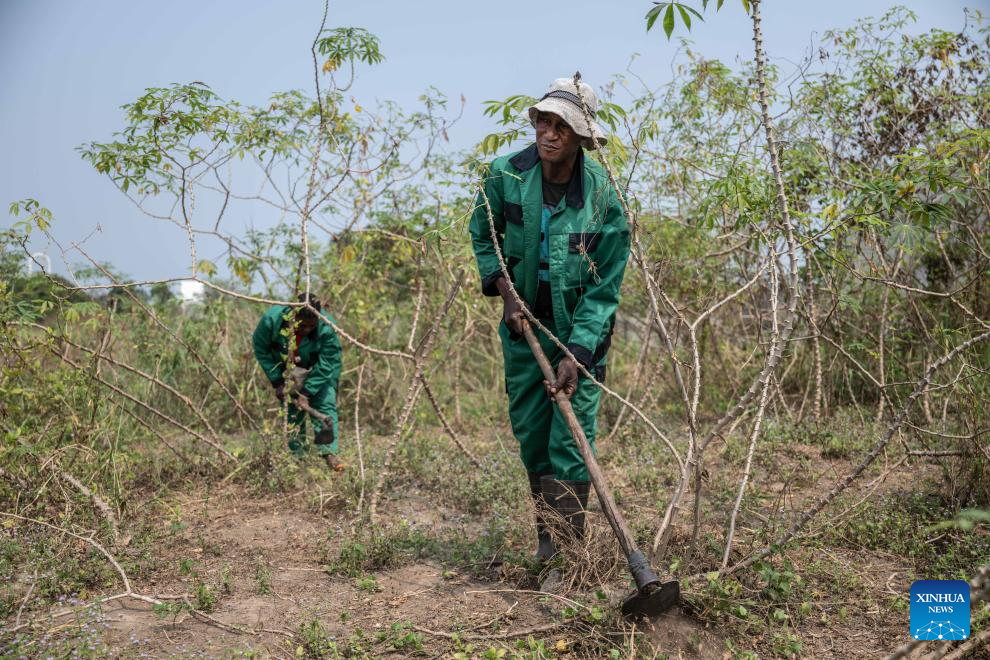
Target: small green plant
{"points": [[834, 446], [780, 582], [357, 644], [401, 637], [740, 654], [368, 583], [169, 609], [723, 596], [314, 641], [206, 598], [786, 644], [226, 579], [462, 650], [263, 577], [900, 604], [350, 558]]}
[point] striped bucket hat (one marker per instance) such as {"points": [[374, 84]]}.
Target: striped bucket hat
{"points": [[564, 99]]}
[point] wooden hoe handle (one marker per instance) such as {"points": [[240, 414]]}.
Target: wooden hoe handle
{"points": [[609, 508]]}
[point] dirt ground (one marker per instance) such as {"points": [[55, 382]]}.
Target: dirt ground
{"points": [[244, 532], [266, 559]]}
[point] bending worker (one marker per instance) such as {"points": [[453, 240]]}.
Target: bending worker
{"points": [[303, 347], [565, 242]]}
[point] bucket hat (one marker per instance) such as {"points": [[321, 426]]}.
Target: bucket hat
{"points": [[564, 99]]}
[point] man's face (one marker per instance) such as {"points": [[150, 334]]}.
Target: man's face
{"points": [[556, 141], [305, 325]]}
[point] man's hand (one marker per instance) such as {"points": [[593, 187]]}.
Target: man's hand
{"points": [[567, 379], [513, 315], [302, 402], [512, 312], [280, 392]]}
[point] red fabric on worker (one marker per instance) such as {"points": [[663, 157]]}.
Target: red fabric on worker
{"points": [[292, 352]]}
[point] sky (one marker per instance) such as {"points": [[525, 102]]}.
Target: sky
{"points": [[66, 67]]}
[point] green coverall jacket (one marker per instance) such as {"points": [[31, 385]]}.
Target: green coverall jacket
{"points": [[589, 246], [319, 352], [588, 249]]}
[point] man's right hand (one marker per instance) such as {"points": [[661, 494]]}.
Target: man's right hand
{"points": [[512, 312]]}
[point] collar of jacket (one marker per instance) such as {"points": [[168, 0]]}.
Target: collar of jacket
{"points": [[528, 157]]}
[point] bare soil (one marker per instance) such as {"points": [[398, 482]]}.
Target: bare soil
{"points": [[265, 556]]}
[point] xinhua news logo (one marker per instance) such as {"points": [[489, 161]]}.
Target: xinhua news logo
{"points": [[940, 609]]}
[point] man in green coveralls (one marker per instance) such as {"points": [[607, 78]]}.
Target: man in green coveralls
{"points": [[563, 235], [301, 345]]}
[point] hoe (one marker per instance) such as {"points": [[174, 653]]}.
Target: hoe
{"points": [[652, 597]]}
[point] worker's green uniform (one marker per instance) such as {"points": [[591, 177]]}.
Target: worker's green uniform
{"points": [[320, 353], [582, 255]]}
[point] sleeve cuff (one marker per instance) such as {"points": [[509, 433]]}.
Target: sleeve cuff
{"points": [[278, 382], [488, 284], [582, 355]]}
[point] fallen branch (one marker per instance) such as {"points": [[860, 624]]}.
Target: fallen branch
{"points": [[128, 593], [100, 504], [146, 406], [843, 483], [508, 635], [146, 376]]}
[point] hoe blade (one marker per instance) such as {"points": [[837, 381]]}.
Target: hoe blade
{"points": [[652, 601]]}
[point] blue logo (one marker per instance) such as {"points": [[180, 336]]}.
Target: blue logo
{"points": [[940, 609]]}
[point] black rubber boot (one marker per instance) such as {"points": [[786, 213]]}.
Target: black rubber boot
{"points": [[570, 500], [544, 549]]}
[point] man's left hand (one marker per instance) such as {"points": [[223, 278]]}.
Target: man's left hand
{"points": [[567, 379], [302, 402]]}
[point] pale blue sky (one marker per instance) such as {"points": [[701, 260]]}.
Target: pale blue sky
{"points": [[66, 67]]}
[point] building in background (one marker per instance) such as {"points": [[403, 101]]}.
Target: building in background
{"points": [[191, 292]]}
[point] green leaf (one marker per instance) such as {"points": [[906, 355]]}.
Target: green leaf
{"points": [[668, 21], [719, 5], [685, 16], [651, 18], [745, 4]]}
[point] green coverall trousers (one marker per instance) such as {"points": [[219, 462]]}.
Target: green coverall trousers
{"points": [[545, 443], [324, 402]]}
